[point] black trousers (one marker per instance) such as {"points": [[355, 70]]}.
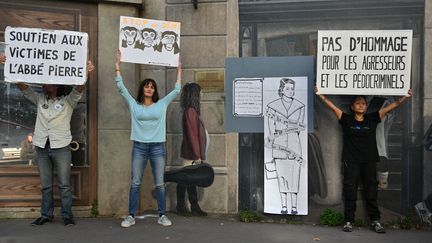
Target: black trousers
{"points": [[192, 195], [428, 202], [354, 173]]}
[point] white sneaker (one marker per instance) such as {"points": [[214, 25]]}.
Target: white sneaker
{"points": [[128, 222], [348, 227], [164, 220], [423, 212], [377, 227]]}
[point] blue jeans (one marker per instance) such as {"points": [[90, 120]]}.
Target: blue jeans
{"points": [[141, 153], [59, 160]]}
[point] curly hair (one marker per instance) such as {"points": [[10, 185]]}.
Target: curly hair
{"points": [[282, 84], [144, 83], [62, 90], [190, 96]]}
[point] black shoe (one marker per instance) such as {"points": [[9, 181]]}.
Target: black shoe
{"points": [[284, 210], [294, 211], [193, 199], [182, 211], [41, 221], [68, 221], [196, 210]]}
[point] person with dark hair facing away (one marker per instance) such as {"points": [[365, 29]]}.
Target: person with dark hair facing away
{"points": [[359, 156], [51, 139], [194, 145], [148, 133]]}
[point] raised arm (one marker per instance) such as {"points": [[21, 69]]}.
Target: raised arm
{"points": [[171, 96], [117, 64], [119, 80], [73, 98], [90, 68], [338, 112], [383, 111], [28, 93], [179, 72]]}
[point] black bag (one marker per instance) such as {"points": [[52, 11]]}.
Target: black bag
{"points": [[201, 174]]}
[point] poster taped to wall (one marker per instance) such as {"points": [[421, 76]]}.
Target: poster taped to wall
{"points": [[148, 41], [248, 97], [285, 145], [45, 56], [366, 62]]}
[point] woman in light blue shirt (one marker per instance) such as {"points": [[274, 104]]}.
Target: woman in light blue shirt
{"points": [[148, 133]]}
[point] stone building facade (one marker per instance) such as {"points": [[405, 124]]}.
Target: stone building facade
{"points": [[209, 34]]}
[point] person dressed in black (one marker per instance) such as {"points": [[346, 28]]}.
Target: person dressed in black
{"points": [[359, 156], [424, 208]]}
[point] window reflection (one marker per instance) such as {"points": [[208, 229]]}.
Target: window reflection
{"points": [[17, 118], [78, 131]]}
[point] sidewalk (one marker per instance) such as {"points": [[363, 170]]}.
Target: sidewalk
{"points": [[193, 230]]}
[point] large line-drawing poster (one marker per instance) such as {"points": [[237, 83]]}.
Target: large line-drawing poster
{"points": [[285, 140]]}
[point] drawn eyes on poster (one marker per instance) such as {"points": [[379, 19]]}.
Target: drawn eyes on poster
{"points": [[149, 38], [149, 41]]}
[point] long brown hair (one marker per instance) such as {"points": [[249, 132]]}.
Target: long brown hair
{"points": [[144, 83], [190, 96]]}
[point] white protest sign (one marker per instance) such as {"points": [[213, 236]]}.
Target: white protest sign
{"points": [[148, 41], [366, 62], [45, 56]]}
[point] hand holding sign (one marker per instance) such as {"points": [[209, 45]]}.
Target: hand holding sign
{"points": [[316, 91], [405, 97], [90, 66], [117, 64], [409, 93], [318, 94], [2, 58], [118, 59]]}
